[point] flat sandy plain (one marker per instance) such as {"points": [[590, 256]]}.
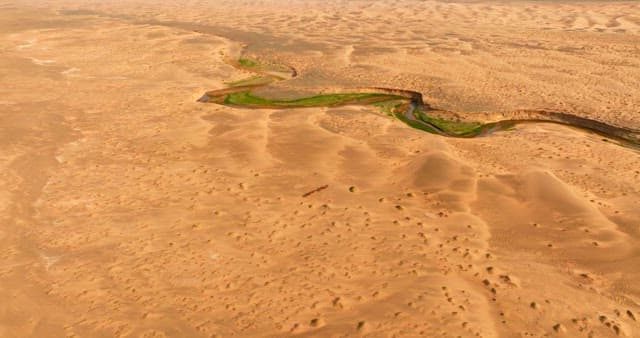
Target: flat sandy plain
{"points": [[128, 209]]}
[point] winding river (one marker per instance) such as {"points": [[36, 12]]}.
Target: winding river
{"points": [[406, 105]]}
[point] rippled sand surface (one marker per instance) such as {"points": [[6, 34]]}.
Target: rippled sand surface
{"points": [[129, 209]]}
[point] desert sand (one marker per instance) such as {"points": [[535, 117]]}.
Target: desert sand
{"points": [[129, 209]]}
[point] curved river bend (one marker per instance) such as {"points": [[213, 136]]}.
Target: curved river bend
{"points": [[406, 105]]}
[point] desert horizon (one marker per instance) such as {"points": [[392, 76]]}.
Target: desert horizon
{"points": [[290, 168]]}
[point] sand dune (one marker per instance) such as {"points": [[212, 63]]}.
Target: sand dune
{"points": [[129, 209]]}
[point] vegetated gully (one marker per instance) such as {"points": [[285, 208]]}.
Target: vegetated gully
{"points": [[406, 105]]}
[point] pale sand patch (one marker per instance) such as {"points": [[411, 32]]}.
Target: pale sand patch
{"points": [[41, 62], [70, 71], [28, 44]]}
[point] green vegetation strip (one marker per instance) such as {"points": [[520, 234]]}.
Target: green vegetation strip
{"points": [[248, 99], [253, 81], [416, 124], [239, 94]]}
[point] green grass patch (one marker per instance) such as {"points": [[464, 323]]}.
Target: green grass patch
{"points": [[459, 128], [247, 63], [248, 99], [390, 107]]}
